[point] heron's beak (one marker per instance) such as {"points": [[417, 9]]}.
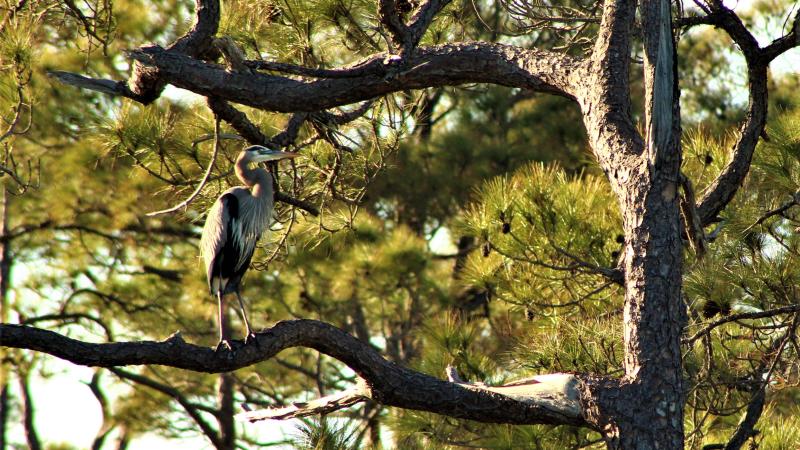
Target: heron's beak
{"points": [[268, 154]]}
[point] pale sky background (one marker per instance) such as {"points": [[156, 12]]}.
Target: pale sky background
{"points": [[66, 410]]}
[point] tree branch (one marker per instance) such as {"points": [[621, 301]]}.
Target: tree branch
{"points": [[721, 191], [191, 409], [422, 18], [323, 405], [742, 316], [445, 65], [389, 384], [392, 21], [146, 83], [784, 43], [774, 212]]}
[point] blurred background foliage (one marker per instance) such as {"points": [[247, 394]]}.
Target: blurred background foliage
{"points": [[459, 226]]}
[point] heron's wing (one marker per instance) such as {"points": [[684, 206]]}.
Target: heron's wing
{"points": [[243, 232], [215, 233]]}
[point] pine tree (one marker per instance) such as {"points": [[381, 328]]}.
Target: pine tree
{"points": [[545, 258]]}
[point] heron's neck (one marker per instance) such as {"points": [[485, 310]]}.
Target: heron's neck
{"points": [[257, 179]]}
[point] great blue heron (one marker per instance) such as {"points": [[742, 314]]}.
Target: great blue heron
{"points": [[233, 227]]}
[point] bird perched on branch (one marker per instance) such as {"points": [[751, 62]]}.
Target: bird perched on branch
{"points": [[233, 227]]}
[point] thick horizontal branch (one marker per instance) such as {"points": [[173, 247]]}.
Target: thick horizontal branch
{"points": [[446, 65], [389, 383]]}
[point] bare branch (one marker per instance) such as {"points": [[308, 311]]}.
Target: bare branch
{"points": [[392, 21], [145, 83], [742, 316], [422, 18], [203, 181], [28, 410], [785, 43], [746, 427], [774, 212], [389, 383], [691, 220], [191, 409], [324, 405], [720, 192]]}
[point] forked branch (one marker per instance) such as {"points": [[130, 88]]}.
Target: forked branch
{"points": [[721, 191]]}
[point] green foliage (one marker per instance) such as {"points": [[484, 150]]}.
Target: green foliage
{"points": [[324, 435], [546, 238], [752, 266], [529, 295]]}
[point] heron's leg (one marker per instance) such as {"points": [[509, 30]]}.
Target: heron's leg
{"points": [[224, 332], [250, 335]]}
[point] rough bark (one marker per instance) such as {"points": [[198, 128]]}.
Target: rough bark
{"points": [[389, 383], [644, 409], [444, 65]]}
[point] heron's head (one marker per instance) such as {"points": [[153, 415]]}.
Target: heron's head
{"points": [[258, 153]]}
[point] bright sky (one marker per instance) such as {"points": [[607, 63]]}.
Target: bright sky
{"points": [[66, 410]]}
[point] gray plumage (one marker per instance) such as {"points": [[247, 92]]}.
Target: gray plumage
{"points": [[233, 227]]}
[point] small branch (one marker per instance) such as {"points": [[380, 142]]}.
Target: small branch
{"points": [[302, 204], [191, 409], [28, 412], [422, 19], [783, 44], [324, 405], [691, 220], [107, 424], [746, 427], [779, 210], [742, 316], [392, 21], [109, 87], [202, 182]]}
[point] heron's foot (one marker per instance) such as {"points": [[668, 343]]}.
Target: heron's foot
{"points": [[223, 344], [251, 338]]}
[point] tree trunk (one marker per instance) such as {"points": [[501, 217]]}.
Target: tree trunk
{"points": [[31, 435], [5, 270], [227, 427], [643, 410], [4, 404]]}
